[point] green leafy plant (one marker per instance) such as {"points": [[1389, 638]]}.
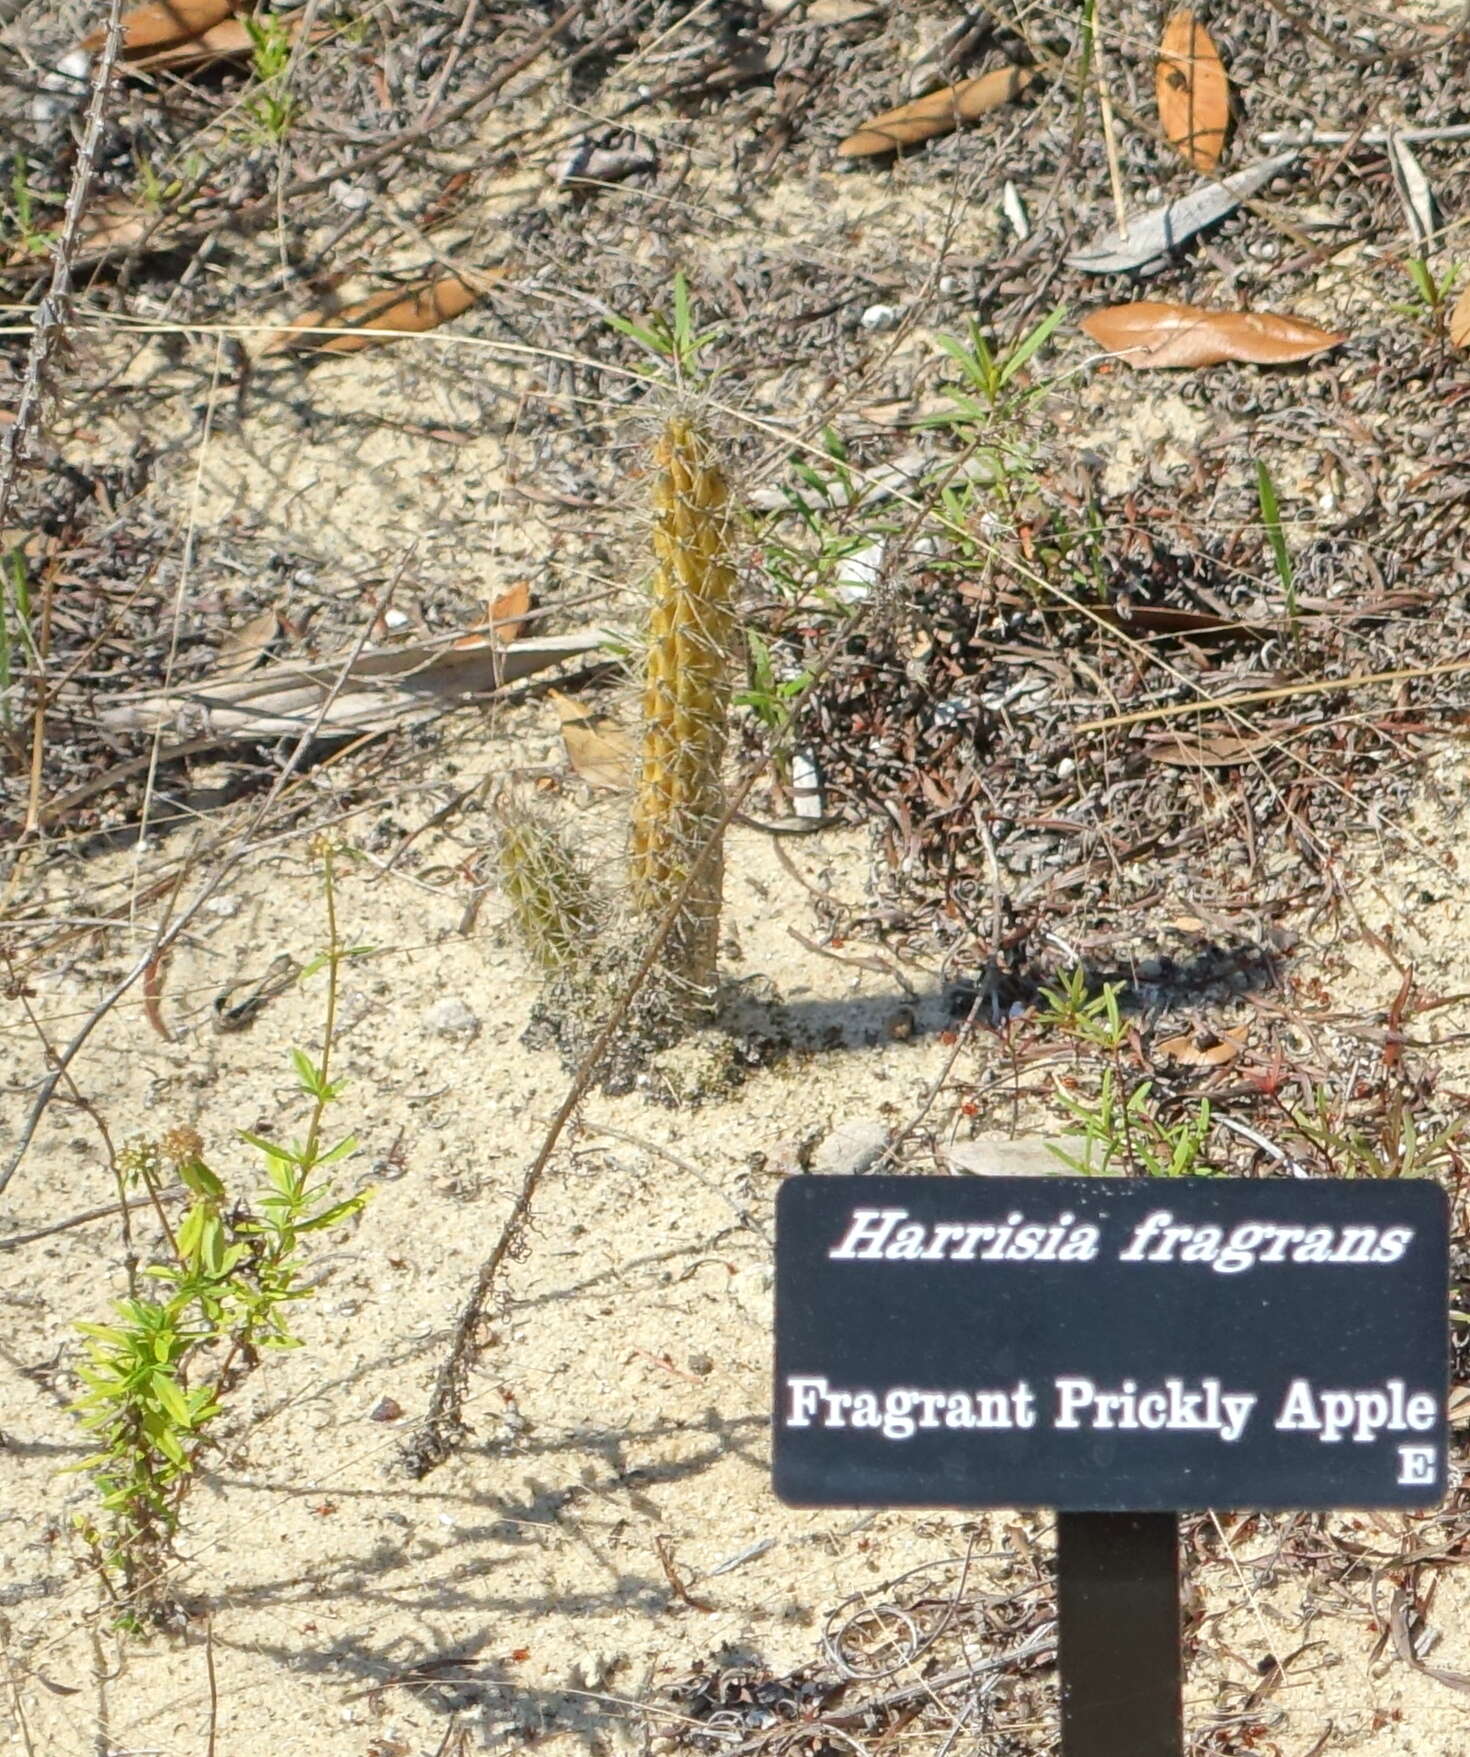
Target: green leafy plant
{"points": [[1121, 1127], [991, 397], [672, 339], [990, 375], [826, 497], [1399, 1146], [196, 1321], [15, 609], [769, 697], [988, 500], [1072, 1007], [1280, 554], [1431, 292], [20, 210], [1125, 1133], [270, 106]]}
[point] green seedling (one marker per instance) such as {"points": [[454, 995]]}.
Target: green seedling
{"points": [[826, 500], [1398, 1147], [672, 340], [771, 699], [986, 493], [991, 379], [1093, 1019], [992, 397], [197, 1319], [20, 211], [1124, 1133], [15, 627], [271, 107], [1122, 1129], [1431, 292], [1280, 554]]}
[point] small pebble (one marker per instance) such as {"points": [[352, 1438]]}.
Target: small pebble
{"points": [[880, 317], [851, 1148], [1029, 1156], [451, 1018], [385, 1409], [62, 89], [352, 196]]}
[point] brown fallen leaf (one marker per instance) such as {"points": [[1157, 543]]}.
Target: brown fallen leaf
{"points": [[160, 23], [597, 747], [1164, 619], [508, 612], [153, 995], [1460, 320], [1193, 91], [938, 113], [1205, 1049], [228, 41], [1221, 749], [1156, 332], [505, 617], [419, 306], [243, 648]]}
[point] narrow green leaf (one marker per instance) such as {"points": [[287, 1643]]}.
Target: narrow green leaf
{"points": [[1024, 350]]}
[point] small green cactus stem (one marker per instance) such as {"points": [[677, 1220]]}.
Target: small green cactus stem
{"points": [[550, 894], [680, 799]]}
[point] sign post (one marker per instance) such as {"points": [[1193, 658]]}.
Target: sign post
{"points": [[1118, 1634], [1121, 1351]]}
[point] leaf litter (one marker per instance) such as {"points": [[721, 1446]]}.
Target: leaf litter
{"points": [[1193, 91], [413, 309], [1150, 236], [1158, 333], [161, 23], [941, 112], [1185, 602]]}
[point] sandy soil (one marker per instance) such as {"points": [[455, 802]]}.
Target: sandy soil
{"points": [[609, 1528], [624, 1403]]}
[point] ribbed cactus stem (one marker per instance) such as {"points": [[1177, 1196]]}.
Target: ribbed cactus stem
{"points": [[550, 895], [680, 796]]}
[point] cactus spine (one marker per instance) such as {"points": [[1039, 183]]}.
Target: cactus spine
{"points": [[680, 800], [551, 897]]}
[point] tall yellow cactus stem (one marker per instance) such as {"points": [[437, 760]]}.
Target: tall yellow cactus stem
{"points": [[680, 796]]}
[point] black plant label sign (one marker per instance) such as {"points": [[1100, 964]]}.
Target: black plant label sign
{"points": [[1110, 1345]]}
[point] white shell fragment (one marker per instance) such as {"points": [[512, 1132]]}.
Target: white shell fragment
{"points": [[859, 572], [1014, 210], [806, 785]]}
